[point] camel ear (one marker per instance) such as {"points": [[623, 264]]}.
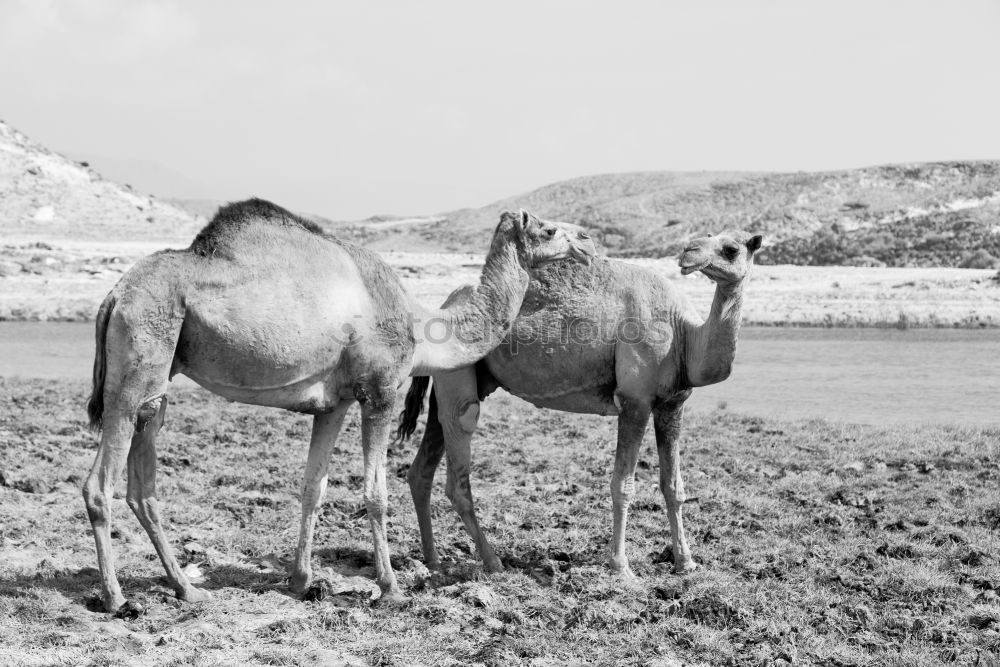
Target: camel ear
{"points": [[513, 218], [753, 245], [525, 219]]}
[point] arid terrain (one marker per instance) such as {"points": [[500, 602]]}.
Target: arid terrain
{"points": [[820, 544], [67, 280]]}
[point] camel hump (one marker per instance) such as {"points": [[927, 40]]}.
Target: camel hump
{"points": [[235, 220]]}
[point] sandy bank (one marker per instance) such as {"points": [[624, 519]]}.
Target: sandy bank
{"points": [[67, 281]]}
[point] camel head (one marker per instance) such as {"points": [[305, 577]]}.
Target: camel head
{"points": [[725, 257], [542, 241]]}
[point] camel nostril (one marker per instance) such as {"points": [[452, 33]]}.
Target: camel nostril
{"points": [[584, 236]]}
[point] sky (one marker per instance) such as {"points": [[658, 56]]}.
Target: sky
{"points": [[350, 109]]}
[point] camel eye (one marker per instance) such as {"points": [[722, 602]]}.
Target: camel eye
{"points": [[730, 252], [550, 232]]}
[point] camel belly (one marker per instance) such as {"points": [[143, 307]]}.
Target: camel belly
{"points": [[311, 395], [560, 377], [292, 350]]}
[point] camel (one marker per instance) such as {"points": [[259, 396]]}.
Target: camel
{"points": [[265, 308], [608, 339]]}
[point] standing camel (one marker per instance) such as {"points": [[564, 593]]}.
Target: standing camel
{"points": [[264, 308], [610, 339]]}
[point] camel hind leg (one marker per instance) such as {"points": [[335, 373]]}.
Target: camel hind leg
{"points": [[377, 400], [139, 350], [326, 428], [141, 495], [421, 480], [458, 412]]}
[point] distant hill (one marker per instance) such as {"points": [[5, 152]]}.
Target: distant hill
{"points": [[930, 214], [44, 195]]}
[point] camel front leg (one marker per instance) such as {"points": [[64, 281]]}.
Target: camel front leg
{"points": [[377, 404], [667, 425], [326, 428], [421, 480], [458, 412], [141, 495], [633, 416]]}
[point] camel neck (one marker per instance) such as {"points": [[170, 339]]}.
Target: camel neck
{"points": [[466, 331], [712, 349]]}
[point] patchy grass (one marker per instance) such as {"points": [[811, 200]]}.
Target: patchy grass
{"points": [[820, 544]]}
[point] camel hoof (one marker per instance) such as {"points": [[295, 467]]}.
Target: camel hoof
{"points": [[392, 599], [623, 571], [299, 584], [194, 594], [318, 590], [130, 611], [112, 605], [494, 566], [685, 567]]}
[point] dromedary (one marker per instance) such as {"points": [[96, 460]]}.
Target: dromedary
{"points": [[265, 308], [611, 339]]}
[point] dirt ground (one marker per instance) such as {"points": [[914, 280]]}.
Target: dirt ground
{"points": [[819, 543]]}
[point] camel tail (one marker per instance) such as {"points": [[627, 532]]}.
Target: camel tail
{"points": [[412, 408], [95, 404]]}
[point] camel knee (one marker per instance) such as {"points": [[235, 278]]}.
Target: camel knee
{"points": [[95, 500], [419, 479], [673, 491], [468, 416], [461, 503], [376, 503], [622, 491], [150, 414], [374, 397], [461, 418], [425, 463], [144, 508], [459, 495]]}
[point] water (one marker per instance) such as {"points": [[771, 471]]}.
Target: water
{"points": [[868, 376], [873, 376]]}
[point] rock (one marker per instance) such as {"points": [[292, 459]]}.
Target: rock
{"points": [[856, 466], [130, 611], [478, 595], [10, 268], [329, 658], [862, 614], [347, 586], [975, 557], [32, 485], [194, 548], [983, 620], [44, 214]]}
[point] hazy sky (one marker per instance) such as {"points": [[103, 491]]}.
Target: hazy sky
{"points": [[351, 109]]}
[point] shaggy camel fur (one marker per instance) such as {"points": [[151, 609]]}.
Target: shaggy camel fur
{"points": [[609, 339], [264, 308]]}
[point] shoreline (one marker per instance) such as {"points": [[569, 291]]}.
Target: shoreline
{"points": [[66, 282]]}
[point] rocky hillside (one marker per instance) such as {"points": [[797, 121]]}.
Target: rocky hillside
{"points": [[931, 214], [45, 196]]}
